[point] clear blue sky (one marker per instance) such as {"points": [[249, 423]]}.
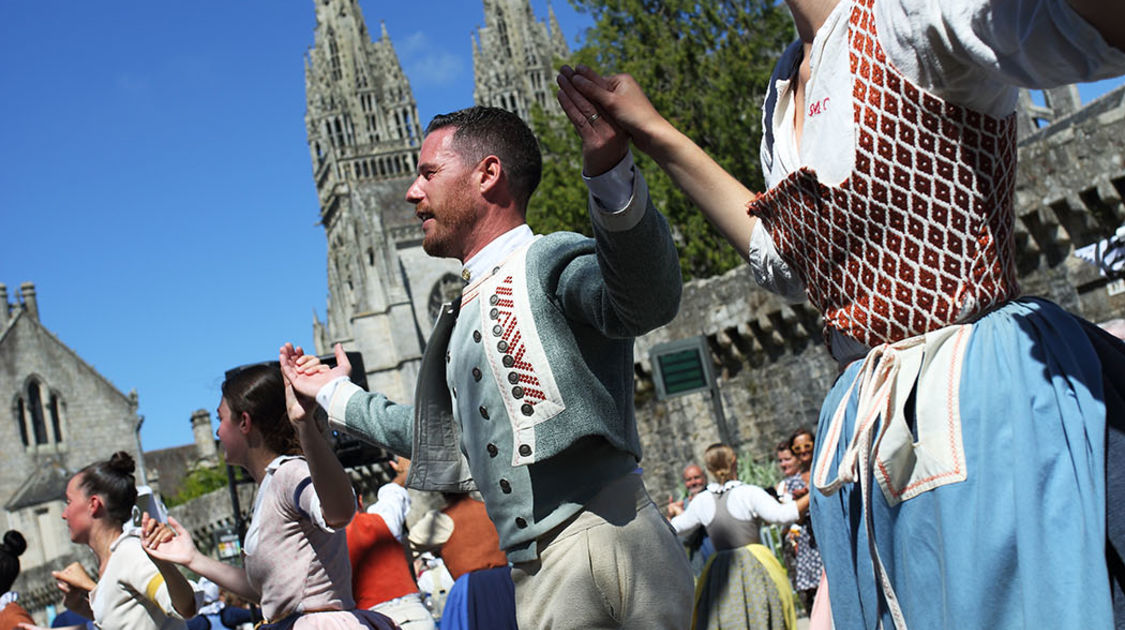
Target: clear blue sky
{"points": [[155, 181]]}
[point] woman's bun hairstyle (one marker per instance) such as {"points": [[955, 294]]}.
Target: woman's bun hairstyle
{"points": [[113, 481], [10, 550]]}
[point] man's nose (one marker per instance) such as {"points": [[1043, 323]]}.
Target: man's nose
{"points": [[414, 193]]}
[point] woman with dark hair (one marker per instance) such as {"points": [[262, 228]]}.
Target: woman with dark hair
{"points": [[789, 465], [133, 591], [11, 613], [807, 563], [743, 584], [296, 554]]}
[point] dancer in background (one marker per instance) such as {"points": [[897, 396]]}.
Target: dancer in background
{"points": [[134, 591], [743, 585], [296, 553], [11, 613], [381, 577], [807, 564]]}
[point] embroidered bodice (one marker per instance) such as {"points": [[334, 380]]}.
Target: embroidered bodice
{"points": [[919, 235]]}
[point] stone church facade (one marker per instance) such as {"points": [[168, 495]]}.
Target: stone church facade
{"points": [[62, 416]]}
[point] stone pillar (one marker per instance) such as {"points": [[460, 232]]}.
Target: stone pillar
{"points": [[1063, 100], [204, 438], [25, 422], [64, 427], [4, 308], [48, 419], [27, 292]]}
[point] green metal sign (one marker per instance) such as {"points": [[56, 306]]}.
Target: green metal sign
{"points": [[681, 367]]}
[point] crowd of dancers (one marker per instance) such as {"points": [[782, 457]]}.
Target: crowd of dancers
{"points": [[966, 467]]}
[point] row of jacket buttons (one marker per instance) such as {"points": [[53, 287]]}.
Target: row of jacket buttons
{"points": [[493, 451], [517, 392]]}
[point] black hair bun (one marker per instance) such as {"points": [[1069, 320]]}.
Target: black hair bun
{"points": [[122, 462], [14, 542]]}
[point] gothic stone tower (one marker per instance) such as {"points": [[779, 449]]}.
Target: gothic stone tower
{"points": [[513, 62], [364, 137]]}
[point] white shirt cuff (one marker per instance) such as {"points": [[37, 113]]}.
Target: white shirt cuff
{"points": [[613, 189], [333, 398]]}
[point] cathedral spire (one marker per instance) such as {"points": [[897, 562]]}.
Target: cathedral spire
{"points": [[361, 119], [364, 137], [558, 40], [514, 62]]}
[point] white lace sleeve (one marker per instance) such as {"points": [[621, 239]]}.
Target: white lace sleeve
{"points": [[769, 270]]}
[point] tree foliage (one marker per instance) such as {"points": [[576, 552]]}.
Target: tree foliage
{"points": [[200, 481], [705, 65]]}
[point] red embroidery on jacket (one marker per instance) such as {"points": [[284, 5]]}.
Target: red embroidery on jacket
{"points": [[511, 335]]}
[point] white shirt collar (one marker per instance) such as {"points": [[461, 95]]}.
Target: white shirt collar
{"points": [[278, 461], [495, 252], [715, 488], [127, 531]]}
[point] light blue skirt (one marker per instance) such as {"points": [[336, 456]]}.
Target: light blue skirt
{"points": [[1021, 542]]}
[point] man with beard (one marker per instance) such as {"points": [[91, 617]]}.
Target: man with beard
{"points": [[526, 387]]}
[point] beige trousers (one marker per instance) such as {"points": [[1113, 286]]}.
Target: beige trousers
{"points": [[616, 564]]}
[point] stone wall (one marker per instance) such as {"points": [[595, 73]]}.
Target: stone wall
{"points": [[769, 357]]}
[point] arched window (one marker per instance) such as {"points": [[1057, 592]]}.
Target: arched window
{"points": [[445, 290], [503, 28], [35, 413], [39, 413]]}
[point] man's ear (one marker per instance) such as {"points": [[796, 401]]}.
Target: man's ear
{"points": [[491, 172]]}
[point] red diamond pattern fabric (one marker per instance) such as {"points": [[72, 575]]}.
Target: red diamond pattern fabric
{"points": [[919, 236]]}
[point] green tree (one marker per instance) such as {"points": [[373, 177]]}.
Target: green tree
{"points": [[200, 481], [705, 66]]}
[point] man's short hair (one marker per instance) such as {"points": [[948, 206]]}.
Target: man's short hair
{"points": [[483, 131]]}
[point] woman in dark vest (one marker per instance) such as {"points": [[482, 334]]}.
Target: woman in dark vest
{"points": [[743, 585]]}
